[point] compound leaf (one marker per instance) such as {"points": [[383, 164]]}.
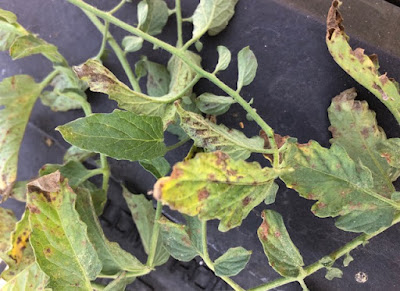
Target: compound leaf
{"points": [[327, 175], [120, 135], [212, 16], [232, 262], [283, 256], [17, 97], [247, 66], [143, 214], [363, 68], [212, 137], [212, 185], [59, 237]]}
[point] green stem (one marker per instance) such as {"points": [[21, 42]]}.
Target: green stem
{"points": [[104, 41], [186, 59], [118, 52], [47, 80], [154, 236], [303, 285], [178, 144], [206, 258], [178, 13], [318, 265], [106, 171], [92, 173], [116, 8], [188, 19]]}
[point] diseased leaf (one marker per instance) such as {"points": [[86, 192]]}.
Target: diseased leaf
{"points": [[183, 242], [59, 238], [76, 154], [28, 45], [7, 225], [9, 29], [224, 58], [212, 185], [363, 68], [120, 135], [271, 190], [61, 102], [100, 79], [17, 97], [332, 273], [247, 66], [212, 16], [113, 258], [354, 127], [29, 279], [232, 262], [18, 191], [143, 214], [214, 105], [390, 150], [324, 175], [120, 283], [158, 167], [155, 17], [212, 137], [158, 78], [132, 43], [7, 16], [73, 170], [283, 255]]}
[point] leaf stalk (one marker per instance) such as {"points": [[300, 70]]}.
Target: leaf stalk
{"points": [[154, 236]]}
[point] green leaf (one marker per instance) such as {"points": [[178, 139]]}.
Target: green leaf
{"points": [[232, 262], [155, 17], [363, 68], [17, 97], [212, 137], [143, 214], [61, 102], [76, 154], [7, 16], [158, 78], [390, 150], [158, 167], [120, 283], [271, 190], [224, 58], [73, 170], [9, 29], [121, 135], [142, 11], [347, 260], [18, 191], [7, 225], [183, 242], [30, 45], [324, 175], [100, 79], [212, 16], [283, 255], [212, 185], [198, 45], [332, 273], [59, 238], [132, 43], [247, 66], [113, 258], [214, 105], [354, 127], [31, 278]]}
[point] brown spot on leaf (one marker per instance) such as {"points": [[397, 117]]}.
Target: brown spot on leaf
{"points": [[246, 201], [277, 234], [221, 157], [203, 194], [387, 156], [383, 79], [377, 87], [358, 53], [49, 183], [365, 132], [33, 209], [264, 228], [211, 177], [186, 241], [334, 19]]}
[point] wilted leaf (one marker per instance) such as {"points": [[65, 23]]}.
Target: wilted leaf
{"points": [[332, 273], [113, 258], [214, 105], [17, 97], [143, 214], [31, 278], [354, 127], [120, 135], [247, 66], [212, 137], [100, 79], [158, 167], [224, 58], [232, 262], [363, 68], [212, 16], [283, 255], [212, 185], [59, 238], [132, 43], [76, 154], [156, 16], [183, 242], [324, 175], [29, 45]]}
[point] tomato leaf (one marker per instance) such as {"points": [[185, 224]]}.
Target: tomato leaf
{"points": [[153, 18], [214, 105], [224, 58], [247, 66], [232, 262]]}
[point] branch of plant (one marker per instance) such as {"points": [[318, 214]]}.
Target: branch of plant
{"points": [[116, 8], [318, 265], [154, 236], [47, 80], [178, 13], [103, 42], [206, 258], [180, 52], [178, 144]]}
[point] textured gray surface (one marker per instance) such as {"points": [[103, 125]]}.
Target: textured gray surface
{"points": [[296, 80]]}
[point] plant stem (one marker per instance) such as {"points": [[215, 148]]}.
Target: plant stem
{"points": [[106, 171], [178, 13], [47, 80], [183, 56], [303, 285], [154, 236], [188, 19], [116, 8], [206, 258], [118, 52], [318, 265], [178, 144], [104, 41]]}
